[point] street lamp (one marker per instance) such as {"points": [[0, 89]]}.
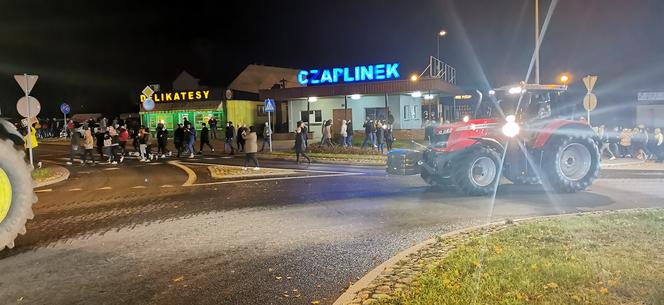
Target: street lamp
{"points": [[564, 78], [440, 34], [413, 78]]}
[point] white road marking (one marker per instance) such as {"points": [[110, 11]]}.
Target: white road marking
{"points": [[139, 187], [43, 191], [111, 169], [167, 185], [276, 178], [75, 189], [105, 188]]}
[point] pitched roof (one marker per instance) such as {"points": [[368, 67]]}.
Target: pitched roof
{"points": [[257, 77]]}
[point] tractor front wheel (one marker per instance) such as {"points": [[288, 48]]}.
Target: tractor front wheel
{"points": [[478, 172], [16, 194], [571, 163]]}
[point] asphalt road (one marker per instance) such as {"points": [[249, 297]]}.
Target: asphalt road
{"points": [[132, 234]]}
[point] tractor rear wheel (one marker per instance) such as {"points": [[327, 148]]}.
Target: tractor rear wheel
{"points": [[571, 163], [16, 194], [478, 172]]}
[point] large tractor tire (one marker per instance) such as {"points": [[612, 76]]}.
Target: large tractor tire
{"points": [[16, 194], [523, 180], [478, 172], [571, 163]]}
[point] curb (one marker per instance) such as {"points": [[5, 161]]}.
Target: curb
{"points": [[323, 161], [62, 177], [348, 296], [621, 164]]}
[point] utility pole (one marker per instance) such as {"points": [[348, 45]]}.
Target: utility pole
{"points": [[537, 43]]}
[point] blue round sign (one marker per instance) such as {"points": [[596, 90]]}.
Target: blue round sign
{"points": [[64, 108], [148, 104]]}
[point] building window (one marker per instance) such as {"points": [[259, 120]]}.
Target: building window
{"points": [[260, 110], [316, 115], [410, 112], [416, 110], [375, 113]]}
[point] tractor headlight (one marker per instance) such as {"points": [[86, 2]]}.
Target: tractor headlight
{"points": [[511, 128]]}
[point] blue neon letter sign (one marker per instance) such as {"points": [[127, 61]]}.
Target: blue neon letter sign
{"points": [[349, 74]]}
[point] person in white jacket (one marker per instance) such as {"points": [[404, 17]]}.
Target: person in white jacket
{"points": [[659, 145], [344, 132]]}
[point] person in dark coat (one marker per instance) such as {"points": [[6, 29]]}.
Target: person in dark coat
{"points": [[178, 138], [241, 129], [162, 140], [380, 137], [205, 139], [349, 131], [300, 146], [230, 133], [213, 126]]}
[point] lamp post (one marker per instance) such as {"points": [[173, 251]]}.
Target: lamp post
{"points": [[537, 43], [440, 34]]}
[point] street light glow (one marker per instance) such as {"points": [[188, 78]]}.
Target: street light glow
{"points": [[355, 96], [416, 94], [312, 99], [413, 78], [428, 96], [442, 33], [564, 78], [515, 90]]}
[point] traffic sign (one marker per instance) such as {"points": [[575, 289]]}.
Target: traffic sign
{"points": [[590, 81], [590, 102], [26, 81], [269, 105], [147, 91], [22, 107], [148, 104], [64, 108]]}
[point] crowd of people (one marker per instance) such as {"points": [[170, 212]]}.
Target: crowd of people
{"points": [[639, 142], [377, 134]]}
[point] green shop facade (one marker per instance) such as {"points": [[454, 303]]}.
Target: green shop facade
{"points": [[196, 106]]}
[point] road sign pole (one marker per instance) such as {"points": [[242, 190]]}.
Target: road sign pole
{"points": [[29, 133], [269, 124]]}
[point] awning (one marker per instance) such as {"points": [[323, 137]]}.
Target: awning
{"points": [[425, 85], [82, 117], [186, 106]]}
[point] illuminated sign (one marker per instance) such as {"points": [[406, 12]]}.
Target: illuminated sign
{"points": [[349, 74], [182, 96]]}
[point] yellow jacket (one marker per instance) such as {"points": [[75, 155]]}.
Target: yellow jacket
{"points": [[33, 138]]}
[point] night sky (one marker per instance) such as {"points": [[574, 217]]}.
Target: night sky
{"points": [[97, 55]]}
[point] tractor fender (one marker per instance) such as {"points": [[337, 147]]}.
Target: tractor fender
{"points": [[563, 127], [8, 131], [490, 143]]}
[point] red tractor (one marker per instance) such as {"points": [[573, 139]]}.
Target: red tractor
{"points": [[521, 129]]}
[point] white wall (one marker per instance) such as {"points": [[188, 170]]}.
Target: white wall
{"points": [[650, 115]]}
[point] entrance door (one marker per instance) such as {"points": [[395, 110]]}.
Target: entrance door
{"points": [[337, 116]]}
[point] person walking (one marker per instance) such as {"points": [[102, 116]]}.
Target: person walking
{"points": [[327, 133], [241, 129], [659, 145], [250, 147], [305, 132], [99, 137], [604, 142], [178, 139], [349, 131], [369, 133], [205, 139], [625, 143], [190, 138], [267, 137], [108, 148], [213, 127], [75, 148], [380, 137], [162, 140], [300, 146], [123, 137], [230, 133], [343, 131], [389, 138], [88, 145], [638, 144]]}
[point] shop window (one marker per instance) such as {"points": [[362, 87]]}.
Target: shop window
{"points": [[376, 113], [260, 110], [410, 112]]}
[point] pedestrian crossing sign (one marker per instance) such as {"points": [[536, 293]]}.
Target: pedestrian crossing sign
{"points": [[269, 105]]}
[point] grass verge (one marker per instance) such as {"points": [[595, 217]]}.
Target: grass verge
{"points": [[615, 258], [40, 174]]}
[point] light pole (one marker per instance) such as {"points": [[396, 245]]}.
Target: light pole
{"points": [[537, 43], [440, 34]]}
